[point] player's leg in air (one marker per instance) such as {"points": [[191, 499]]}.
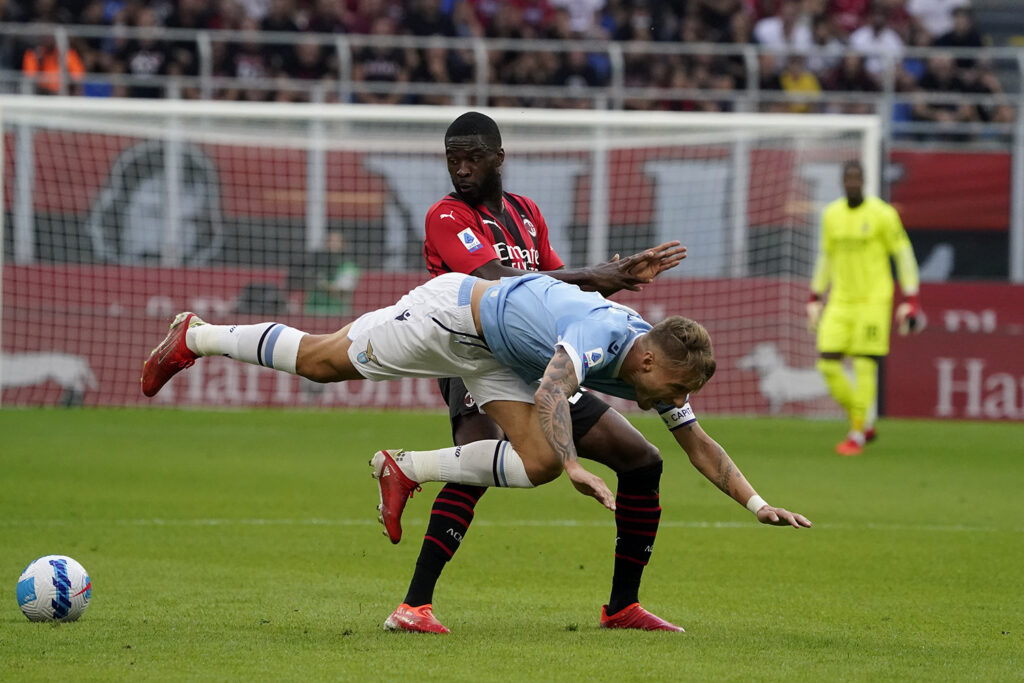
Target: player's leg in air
{"points": [[600, 434], [409, 343]]}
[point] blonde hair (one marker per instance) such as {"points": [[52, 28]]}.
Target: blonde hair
{"points": [[687, 345]]}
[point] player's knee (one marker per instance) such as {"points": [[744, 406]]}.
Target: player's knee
{"points": [[640, 454], [829, 366], [542, 472], [315, 361]]}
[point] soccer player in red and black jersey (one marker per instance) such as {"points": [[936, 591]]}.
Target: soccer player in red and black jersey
{"points": [[481, 230]]}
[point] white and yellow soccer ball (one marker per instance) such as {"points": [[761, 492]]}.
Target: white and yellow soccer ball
{"points": [[54, 588]]}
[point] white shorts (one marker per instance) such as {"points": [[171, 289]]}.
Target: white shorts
{"points": [[429, 332]]}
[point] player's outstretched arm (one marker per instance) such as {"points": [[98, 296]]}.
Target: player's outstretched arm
{"points": [[713, 462], [605, 278], [551, 399]]}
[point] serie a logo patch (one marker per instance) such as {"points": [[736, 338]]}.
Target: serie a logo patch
{"points": [[470, 241]]}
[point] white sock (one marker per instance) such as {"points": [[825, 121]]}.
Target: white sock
{"points": [[481, 463], [270, 344]]}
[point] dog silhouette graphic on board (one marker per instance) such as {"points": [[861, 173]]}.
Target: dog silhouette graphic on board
{"points": [[72, 373], [779, 383]]}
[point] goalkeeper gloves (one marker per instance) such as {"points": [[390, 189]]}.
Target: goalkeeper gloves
{"points": [[909, 317], [814, 308]]}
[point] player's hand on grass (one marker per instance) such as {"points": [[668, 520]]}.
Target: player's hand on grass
{"points": [[782, 517], [590, 485], [636, 270]]}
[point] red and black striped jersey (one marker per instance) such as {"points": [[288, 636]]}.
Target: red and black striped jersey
{"points": [[461, 238]]}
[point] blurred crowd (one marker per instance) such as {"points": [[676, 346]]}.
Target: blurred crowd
{"points": [[811, 46]]}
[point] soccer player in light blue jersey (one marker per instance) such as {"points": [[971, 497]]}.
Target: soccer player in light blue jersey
{"points": [[523, 346]]}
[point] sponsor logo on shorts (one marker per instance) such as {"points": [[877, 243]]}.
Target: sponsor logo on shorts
{"points": [[470, 241], [468, 400], [367, 355]]}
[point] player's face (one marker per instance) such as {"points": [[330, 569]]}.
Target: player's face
{"points": [[474, 168], [662, 384], [853, 183]]}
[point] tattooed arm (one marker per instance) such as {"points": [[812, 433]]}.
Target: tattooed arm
{"points": [[552, 404], [713, 462]]}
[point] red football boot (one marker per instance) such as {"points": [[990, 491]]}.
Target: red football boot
{"points": [[849, 446], [636, 617], [395, 490], [414, 619], [171, 356], [870, 434]]}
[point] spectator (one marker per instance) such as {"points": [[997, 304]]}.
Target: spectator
{"points": [[247, 61], [381, 66], [326, 16], [787, 30], [576, 75], [41, 66], [877, 41], [850, 76], [934, 16], [279, 19], [716, 16], [963, 34], [582, 14], [227, 16], [827, 49], [427, 18], [537, 14], [797, 80], [848, 15], [981, 80], [308, 61], [192, 15], [941, 77], [145, 58], [439, 66]]}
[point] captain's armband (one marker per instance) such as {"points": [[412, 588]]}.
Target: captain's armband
{"points": [[675, 417]]}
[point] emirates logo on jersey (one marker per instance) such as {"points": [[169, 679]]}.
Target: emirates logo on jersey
{"points": [[529, 226]]}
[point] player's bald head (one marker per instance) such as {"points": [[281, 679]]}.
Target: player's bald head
{"points": [[853, 165], [474, 123]]}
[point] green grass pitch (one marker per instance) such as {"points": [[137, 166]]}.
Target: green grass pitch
{"points": [[244, 546]]}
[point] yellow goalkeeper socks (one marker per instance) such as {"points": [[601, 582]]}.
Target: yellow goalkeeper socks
{"points": [[837, 381], [865, 371]]}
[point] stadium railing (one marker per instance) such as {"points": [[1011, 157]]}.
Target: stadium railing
{"points": [[892, 102]]}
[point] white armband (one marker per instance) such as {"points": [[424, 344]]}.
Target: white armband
{"points": [[755, 503], [674, 417]]}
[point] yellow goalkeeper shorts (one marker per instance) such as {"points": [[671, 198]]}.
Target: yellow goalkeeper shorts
{"points": [[855, 329]]}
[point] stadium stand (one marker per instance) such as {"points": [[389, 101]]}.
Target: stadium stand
{"points": [[714, 55]]}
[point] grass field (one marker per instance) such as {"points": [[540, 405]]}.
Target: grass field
{"points": [[244, 545]]}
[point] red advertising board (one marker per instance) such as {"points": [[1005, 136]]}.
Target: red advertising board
{"points": [[86, 330], [82, 333], [968, 362]]}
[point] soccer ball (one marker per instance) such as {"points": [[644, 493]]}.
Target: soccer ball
{"points": [[54, 588]]}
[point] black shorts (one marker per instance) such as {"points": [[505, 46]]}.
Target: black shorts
{"points": [[585, 409]]}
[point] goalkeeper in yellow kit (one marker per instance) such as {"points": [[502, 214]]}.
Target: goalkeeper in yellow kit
{"points": [[858, 237]]}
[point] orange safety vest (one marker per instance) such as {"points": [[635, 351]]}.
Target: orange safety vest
{"points": [[48, 68]]}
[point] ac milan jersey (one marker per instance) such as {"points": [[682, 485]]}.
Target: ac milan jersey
{"points": [[461, 238]]}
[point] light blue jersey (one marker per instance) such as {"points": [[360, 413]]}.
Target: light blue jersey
{"points": [[526, 318]]}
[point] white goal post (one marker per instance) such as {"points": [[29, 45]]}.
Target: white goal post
{"points": [[117, 213]]}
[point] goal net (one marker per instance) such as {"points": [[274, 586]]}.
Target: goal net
{"points": [[118, 214]]}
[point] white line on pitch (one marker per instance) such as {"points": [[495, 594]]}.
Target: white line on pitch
{"points": [[412, 521]]}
